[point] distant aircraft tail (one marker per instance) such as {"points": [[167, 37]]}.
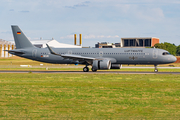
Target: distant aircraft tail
{"points": [[20, 39]]}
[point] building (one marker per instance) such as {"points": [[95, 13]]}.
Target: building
{"points": [[104, 45], [117, 45], [130, 42], [5, 45], [139, 42]]}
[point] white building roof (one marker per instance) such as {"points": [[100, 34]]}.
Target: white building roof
{"points": [[52, 43], [56, 44]]}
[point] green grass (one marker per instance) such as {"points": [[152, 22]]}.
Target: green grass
{"points": [[91, 96]]}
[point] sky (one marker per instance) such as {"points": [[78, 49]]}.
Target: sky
{"points": [[96, 20]]}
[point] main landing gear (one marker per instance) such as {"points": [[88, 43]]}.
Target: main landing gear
{"points": [[94, 70], [155, 70], [86, 69]]}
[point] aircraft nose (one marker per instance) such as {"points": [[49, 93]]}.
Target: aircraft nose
{"points": [[174, 59]]}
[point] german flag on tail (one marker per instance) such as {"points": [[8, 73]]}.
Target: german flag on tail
{"points": [[18, 33]]}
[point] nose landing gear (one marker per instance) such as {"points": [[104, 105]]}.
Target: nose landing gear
{"points": [[155, 70]]}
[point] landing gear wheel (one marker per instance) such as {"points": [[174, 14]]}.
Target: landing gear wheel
{"points": [[155, 70], [94, 70], [86, 69]]}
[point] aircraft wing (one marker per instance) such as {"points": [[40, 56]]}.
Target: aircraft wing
{"points": [[73, 57], [76, 57]]}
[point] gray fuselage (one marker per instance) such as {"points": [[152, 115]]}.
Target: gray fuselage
{"points": [[115, 55]]}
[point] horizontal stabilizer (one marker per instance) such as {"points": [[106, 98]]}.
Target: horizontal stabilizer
{"points": [[14, 51]]}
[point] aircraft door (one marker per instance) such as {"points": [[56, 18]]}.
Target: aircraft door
{"points": [[155, 54], [34, 52], [70, 52], [101, 54]]}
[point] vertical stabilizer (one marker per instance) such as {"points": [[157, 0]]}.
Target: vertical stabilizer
{"points": [[20, 39]]}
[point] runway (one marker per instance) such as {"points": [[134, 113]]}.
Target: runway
{"points": [[151, 67], [98, 72]]}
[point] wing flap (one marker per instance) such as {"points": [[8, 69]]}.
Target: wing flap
{"points": [[69, 56]]}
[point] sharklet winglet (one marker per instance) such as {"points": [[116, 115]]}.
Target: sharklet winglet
{"points": [[51, 51]]}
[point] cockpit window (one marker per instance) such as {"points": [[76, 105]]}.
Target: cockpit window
{"points": [[166, 53]]}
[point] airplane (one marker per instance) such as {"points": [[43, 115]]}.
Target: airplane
{"points": [[98, 58]]}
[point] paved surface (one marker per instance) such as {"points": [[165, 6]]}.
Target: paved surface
{"points": [[152, 67], [98, 72]]}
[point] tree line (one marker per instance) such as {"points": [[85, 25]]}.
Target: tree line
{"points": [[171, 48]]}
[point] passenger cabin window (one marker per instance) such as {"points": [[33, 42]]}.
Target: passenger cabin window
{"points": [[166, 53]]}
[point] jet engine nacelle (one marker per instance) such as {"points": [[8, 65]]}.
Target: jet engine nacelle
{"points": [[101, 64], [115, 66]]}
